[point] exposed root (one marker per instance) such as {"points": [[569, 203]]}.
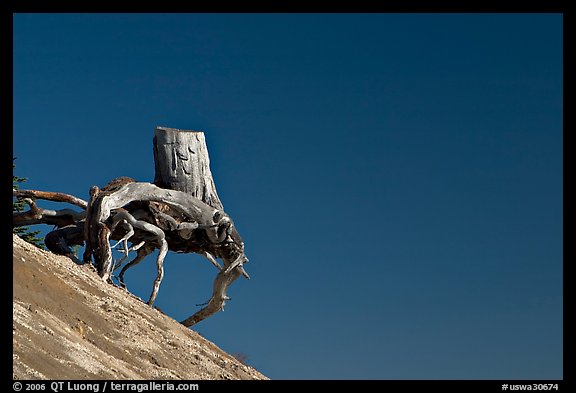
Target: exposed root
{"points": [[211, 258], [160, 269], [218, 300], [37, 215], [149, 218], [142, 253], [51, 196], [122, 216]]}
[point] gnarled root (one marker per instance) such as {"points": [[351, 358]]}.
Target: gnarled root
{"points": [[50, 196], [148, 217], [219, 297], [37, 215], [158, 238]]}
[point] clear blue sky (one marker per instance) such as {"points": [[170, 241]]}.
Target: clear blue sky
{"points": [[397, 178]]}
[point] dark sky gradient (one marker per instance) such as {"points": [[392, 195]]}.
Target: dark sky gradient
{"points": [[397, 178]]}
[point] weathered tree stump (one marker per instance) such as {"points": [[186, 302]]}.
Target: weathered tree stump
{"points": [[181, 163], [180, 212]]}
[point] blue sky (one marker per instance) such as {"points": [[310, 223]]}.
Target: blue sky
{"points": [[397, 178]]}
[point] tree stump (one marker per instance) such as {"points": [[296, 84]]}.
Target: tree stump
{"points": [[181, 163], [180, 212]]}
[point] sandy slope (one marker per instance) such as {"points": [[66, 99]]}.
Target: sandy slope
{"points": [[68, 324]]}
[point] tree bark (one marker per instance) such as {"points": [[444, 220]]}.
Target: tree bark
{"points": [[181, 163]]}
